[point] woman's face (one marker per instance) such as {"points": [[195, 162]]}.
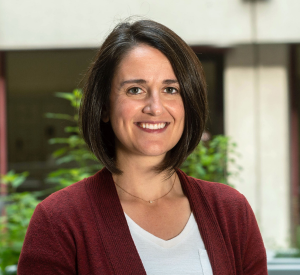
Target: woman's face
{"points": [[146, 108]]}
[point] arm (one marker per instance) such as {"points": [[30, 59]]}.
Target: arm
{"points": [[44, 251], [254, 258]]}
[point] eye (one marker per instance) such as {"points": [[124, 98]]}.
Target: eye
{"points": [[135, 91], [171, 90]]}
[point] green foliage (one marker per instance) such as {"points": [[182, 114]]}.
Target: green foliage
{"points": [[210, 160], [13, 180], [19, 208], [74, 153], [292, 252]]}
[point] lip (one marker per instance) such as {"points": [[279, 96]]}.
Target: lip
{"points": [[157, 131]]}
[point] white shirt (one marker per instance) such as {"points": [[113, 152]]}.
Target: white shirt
{"points": [[184, 254]]}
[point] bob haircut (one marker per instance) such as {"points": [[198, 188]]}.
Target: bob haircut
{"points": [[98, 135]]}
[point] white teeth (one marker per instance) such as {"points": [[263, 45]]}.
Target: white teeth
{"points": [[153, 126]]}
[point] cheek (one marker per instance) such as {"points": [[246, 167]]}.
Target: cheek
{"points": [[122, 112], [180, 117], [178, 111], [182, 112]]}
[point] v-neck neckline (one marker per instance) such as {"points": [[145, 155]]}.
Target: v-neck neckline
{"points": [[158, 241]]}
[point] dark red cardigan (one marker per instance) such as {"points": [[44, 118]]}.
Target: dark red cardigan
{"points": [[82, 230]]}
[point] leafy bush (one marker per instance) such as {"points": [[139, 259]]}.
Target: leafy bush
{"points": [[210, 160], [75, 152], [19, 208]]}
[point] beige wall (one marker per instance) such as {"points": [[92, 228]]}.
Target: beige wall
{"points": [[256, 116], [36, 24], [278, 21]]}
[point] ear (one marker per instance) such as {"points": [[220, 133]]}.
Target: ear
{"points": [[104, 115]]}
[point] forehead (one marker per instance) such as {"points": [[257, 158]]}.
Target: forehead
{"points": [[144, 62]]}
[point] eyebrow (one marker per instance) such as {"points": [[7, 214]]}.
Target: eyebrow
{"points": [[143, 81]]}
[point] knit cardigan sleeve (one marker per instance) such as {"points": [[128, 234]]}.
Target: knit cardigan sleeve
{"points": [[44, 251], [254, 258]]}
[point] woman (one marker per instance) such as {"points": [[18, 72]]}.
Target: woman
{"points": [[143, 112]]}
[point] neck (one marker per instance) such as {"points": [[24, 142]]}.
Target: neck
{"points": [[139, 178]]}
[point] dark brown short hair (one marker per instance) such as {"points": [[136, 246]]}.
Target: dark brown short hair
{"points": [[98, 135]]}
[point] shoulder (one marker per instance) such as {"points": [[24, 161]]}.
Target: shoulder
{"points": [[222, 199], [217, 192], [73, 199], [65, 197]]}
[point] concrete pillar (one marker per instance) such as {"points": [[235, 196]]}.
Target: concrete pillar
{"points": [[257, 118]]}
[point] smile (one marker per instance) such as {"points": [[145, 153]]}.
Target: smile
{"points": [[152, 126]]}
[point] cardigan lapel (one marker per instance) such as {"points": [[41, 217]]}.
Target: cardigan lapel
{"points": [[118, 244], [208, 226]]}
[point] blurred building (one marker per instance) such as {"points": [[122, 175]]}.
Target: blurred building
{"points": [[251, 55]]}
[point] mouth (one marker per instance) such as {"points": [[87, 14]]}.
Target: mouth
{"points": [[152, 126], [158, 127]]}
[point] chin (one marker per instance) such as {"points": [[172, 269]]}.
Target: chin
{"points": [[158, 148], [155, 151], [155, 154]]}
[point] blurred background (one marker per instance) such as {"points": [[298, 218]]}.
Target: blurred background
{"points": [[250, 51]]}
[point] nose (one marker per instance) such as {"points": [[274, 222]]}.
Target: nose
{"points": [[154, 105]]}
